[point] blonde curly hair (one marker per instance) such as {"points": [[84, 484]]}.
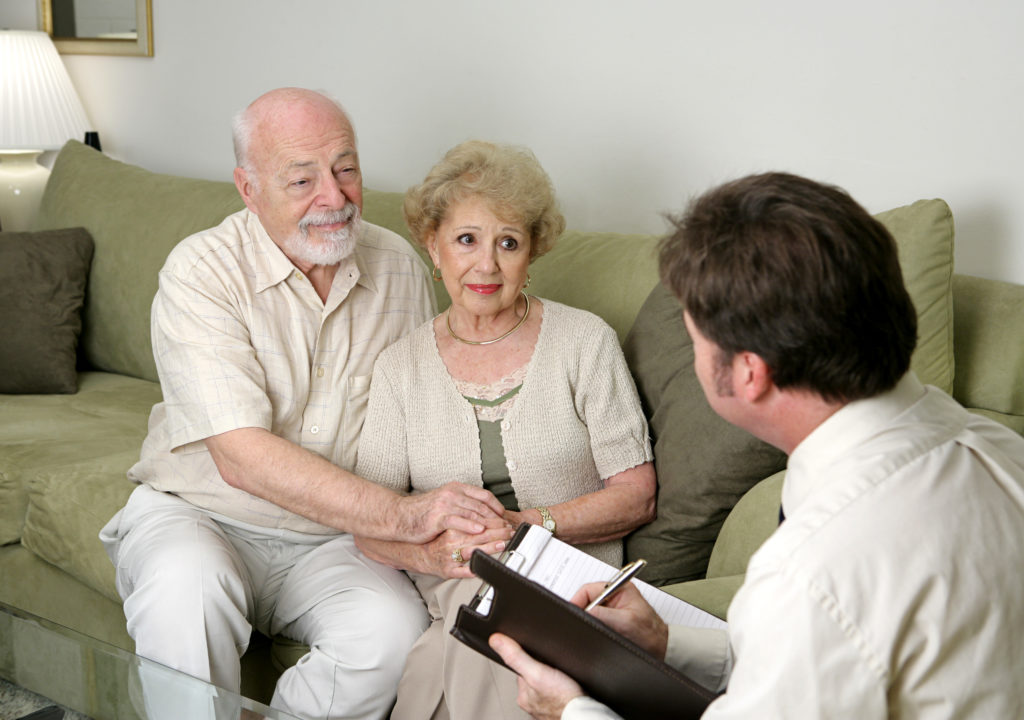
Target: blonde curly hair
{"points": [[507, 178]]}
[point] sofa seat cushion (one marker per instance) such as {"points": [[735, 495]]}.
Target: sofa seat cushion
{"points": [[67, 507], [42, 289], [108, 414]]}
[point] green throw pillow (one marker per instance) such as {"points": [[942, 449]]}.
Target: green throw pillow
{"points": [[42, 289]]}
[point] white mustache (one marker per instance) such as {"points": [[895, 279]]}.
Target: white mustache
{"points": [[328, 217]]}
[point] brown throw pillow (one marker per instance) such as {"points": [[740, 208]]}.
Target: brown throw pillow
{"points": [[704, 463], [42, 288]]}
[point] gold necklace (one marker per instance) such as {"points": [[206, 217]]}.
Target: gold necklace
{"points": [[448, 322]]}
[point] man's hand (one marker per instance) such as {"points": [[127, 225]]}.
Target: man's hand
{"points": [[543, 691], [628, 613], [455, 506]]}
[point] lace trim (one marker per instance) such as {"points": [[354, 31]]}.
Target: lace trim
{"points": [[493, 392]]}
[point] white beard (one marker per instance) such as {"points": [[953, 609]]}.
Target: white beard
{"points": [[334, 246]]}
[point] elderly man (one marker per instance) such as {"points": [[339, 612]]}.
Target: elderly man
{"points": [[893, 587], [265, 331]]}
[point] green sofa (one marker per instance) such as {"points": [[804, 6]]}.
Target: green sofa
{"points": [[63, 456]]}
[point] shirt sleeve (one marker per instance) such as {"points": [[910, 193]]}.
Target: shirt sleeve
{"points": [[609, 404], [702, 654], [209, 374], [587, 708]]}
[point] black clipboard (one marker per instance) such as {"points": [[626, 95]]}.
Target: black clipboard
{"points": [[610, 667]]}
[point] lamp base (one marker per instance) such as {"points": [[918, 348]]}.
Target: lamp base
{"points": [[22, 180]]}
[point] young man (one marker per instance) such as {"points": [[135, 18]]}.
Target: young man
{"points": [[893, 587]]}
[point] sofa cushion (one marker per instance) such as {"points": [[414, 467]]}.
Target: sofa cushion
{"points": [[42, 288], [37, 432], [924, 237], [704, 464], [135, 218], [67, 507]]}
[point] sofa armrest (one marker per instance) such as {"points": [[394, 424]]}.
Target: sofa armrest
{"points": [[989, 348], [712, 595], [748, 525]]}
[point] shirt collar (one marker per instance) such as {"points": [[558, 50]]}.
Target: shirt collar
{"points": [[847, 428]]}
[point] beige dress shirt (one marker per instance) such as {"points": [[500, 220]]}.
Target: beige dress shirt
{"points": [[242, 339]]}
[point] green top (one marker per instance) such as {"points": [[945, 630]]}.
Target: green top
{"points": [[494, 468]]}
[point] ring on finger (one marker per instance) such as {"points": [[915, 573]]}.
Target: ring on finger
{"points": [[457, 556]]}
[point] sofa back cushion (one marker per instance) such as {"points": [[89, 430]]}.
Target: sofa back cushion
{"points": [[135, 217]]}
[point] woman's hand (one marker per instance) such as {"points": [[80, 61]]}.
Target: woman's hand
{"points": [[452, 545], [438, 556]]}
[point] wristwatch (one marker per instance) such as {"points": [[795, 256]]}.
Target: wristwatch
{"points": [[546, 521]]}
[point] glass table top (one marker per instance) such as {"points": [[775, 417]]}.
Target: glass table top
{"points": [[107, 683]]}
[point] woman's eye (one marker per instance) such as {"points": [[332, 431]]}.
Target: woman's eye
{"points": [[510, 243], [464, 239]]}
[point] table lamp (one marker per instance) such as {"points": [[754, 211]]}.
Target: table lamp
{"points": [[39, 111]]}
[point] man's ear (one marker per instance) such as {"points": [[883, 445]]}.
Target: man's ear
{"points": [[752, 378], [245, 187]]}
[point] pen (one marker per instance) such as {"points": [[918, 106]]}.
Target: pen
{"points": [[615, 584]]}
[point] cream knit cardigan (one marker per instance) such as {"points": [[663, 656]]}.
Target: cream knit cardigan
{"points": [[576, 422]]}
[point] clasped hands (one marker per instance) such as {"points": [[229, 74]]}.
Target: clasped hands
{"points": [[463, 518]]}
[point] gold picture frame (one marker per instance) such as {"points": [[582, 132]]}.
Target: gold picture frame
{"points": [[140, 44]]}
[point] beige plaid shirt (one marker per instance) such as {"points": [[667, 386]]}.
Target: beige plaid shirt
{"points": [[242, 339]]}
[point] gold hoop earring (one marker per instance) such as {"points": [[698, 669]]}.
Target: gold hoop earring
{"points": [[436, 274]]}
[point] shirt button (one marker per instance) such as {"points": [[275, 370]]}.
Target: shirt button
{"points": [[315, 429], [319, 372], [505, 425], [298, 275], [511, 465]]}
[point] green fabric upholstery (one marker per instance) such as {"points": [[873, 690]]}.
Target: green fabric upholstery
{"points": [[68, 506], [42, 288], [107, 415], [609, 274], [712, 595], [924, 236], [135, 217], [751, 521], [989, 349]]}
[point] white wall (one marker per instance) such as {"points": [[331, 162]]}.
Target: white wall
{"points": [[631, 106]]}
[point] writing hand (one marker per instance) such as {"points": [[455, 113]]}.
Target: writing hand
{"points": [[628, 613]]}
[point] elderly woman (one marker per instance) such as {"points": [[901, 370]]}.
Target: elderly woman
{"points": [[526, 397]]}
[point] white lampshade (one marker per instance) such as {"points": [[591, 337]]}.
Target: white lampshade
{"points": [[39, 110]]}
